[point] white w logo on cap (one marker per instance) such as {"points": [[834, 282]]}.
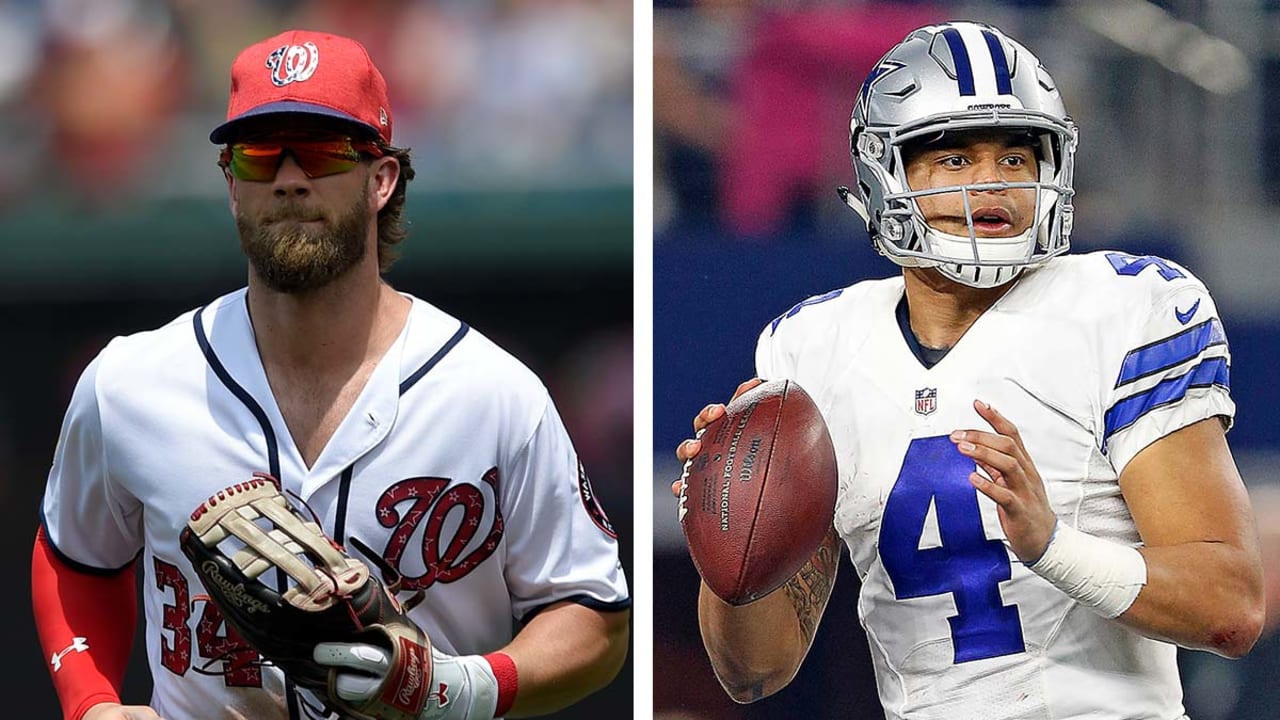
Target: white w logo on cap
{"points": [[293, 63]]}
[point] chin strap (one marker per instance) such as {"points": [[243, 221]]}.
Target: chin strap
{"points": [[976, 276], [854, 202]]}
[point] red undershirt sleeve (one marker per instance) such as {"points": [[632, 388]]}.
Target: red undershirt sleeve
{"points": [[86, 623]]}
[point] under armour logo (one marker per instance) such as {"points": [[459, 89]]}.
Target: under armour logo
{"points": [[77, 645], [440, 696], [293, 63]]}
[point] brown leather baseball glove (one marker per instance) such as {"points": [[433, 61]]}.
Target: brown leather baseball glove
{"points": [[321, 595]]}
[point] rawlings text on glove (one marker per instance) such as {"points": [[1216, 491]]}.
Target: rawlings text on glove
{"points": [[323, 595]]}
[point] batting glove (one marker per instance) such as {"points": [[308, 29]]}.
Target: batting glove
{"points": [[464, 687]]}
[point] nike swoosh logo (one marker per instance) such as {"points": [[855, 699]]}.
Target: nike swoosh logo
{"points": [[1185, 317]]}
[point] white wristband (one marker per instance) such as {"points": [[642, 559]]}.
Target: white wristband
{"points": [[1099, 574]]}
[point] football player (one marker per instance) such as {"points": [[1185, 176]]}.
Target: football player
{"points": [[1034, 486]]}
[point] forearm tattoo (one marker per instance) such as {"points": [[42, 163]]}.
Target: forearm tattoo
{"points": [[811, 587]]}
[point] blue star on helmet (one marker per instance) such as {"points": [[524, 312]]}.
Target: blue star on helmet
{"points": [[879, 73]]}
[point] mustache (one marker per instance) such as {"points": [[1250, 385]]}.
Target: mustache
{"points": [[293, 211]]}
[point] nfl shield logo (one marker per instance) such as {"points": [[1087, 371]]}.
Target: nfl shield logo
{"points": [[926, 401]]}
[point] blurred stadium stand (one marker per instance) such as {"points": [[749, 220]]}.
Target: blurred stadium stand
{"points": [[1178, 104], [114, 218]]}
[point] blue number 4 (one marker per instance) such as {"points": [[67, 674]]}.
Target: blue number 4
{"points": [[1126, 264], [965, 563]]}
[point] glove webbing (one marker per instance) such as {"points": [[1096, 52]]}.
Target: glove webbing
{"points": [[317, 587]]}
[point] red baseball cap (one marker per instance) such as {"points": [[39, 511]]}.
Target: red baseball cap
{"points": [[300, 71]]}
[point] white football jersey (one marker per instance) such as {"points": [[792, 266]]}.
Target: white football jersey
{"points": [[1093, 357], [453, 464]]}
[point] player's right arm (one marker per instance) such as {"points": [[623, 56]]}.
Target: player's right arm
{"points": [[756, 649], [82, 569], [85, 623]]}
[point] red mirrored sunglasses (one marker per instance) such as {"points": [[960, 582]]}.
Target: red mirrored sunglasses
{"points": [[319, 155]]}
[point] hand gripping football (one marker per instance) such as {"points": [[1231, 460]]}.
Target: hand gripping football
{"points": [[759, 498], [320, 594]]}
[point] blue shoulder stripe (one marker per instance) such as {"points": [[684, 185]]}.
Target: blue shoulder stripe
{"points": [[1171, 351], [1126, 412]]}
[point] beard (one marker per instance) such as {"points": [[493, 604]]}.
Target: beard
{"points": [[293, 257]]}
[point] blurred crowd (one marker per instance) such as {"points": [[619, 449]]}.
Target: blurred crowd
{"points": [[104, 99], [752, 101]]}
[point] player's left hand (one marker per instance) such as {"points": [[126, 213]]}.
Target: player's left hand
{"points": [[462, 688], [1015, 485]]}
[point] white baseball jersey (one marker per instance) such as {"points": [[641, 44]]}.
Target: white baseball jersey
{"points": [[1093, 357], [452, 463]]}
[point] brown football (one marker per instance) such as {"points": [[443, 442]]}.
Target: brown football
{"points": [[760, 496]]}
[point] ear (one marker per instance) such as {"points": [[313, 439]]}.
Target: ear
{"points": [[384, 173], [231, 191]]}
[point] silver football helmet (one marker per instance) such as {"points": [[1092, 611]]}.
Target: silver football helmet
{"points": [[954, 77]]}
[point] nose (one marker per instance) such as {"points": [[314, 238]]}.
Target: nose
{"points": [[988, 170], [290, 180]]}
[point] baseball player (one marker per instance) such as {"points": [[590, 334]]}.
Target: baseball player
{"points": [[398, 425], [1035, 486]]}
